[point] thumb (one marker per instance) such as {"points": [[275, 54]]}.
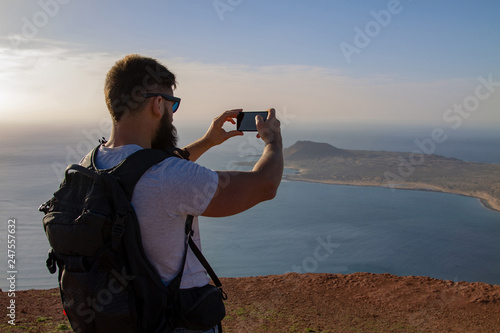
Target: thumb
{"points": [[259, 122]]}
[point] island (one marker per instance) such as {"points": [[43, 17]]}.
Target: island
{"points": [[324, 163]]}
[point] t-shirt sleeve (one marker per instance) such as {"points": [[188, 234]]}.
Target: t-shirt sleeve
{"points": [[187, 187]]}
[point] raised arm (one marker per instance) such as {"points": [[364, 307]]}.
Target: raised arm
{"points": [[238, 191], [214, 136]]}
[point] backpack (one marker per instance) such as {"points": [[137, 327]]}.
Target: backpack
{"points": [[106, 282]]}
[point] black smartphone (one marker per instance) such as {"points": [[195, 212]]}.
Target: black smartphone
{"points": [[246, 120]]}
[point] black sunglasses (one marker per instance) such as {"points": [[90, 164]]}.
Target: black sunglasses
{"points": [[176, 100]]}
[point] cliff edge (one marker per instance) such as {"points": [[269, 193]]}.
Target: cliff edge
{"points": [[359, 302]]}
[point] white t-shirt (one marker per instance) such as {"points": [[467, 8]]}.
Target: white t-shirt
{"points": [[162, 198]]}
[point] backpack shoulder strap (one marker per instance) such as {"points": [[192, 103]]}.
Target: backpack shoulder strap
{"points": [[201, 258], [130, 170], [88, 161]]}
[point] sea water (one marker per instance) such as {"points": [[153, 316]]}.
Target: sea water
{"points": [[312, 227], [308, 227]]}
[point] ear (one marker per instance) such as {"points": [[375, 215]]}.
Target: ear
{"points": [[156, 108]]}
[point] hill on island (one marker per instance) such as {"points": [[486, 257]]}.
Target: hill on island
{"points": [[304, 150], [322, 162]]}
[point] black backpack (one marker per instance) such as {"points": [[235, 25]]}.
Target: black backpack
{"points": [[106, 282]]}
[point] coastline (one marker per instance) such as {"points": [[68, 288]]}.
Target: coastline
{"points": [[324, 163], [487, 203]]}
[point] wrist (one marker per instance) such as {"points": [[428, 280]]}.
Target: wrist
{"points": [[184, 153], [275, 139], [275, 144], [206, 142]]}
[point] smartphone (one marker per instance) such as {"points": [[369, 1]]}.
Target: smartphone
{"points": [[246, 120]]}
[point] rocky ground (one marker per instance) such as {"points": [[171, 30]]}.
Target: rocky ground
{"points": [[360, 302]]}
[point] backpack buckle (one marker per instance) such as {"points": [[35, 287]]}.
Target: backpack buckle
{"points": [[45, 207], [119, 230], [223, 294]]}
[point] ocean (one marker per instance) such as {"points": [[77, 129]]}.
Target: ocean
{"points": [[308, 227]]}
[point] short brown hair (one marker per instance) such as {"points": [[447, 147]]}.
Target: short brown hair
{"points": [[131, 77]]}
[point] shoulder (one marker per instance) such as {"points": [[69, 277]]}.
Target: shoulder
{"points": [[121, 151], [184, 186], [178, 175], [109, 157], [175, 167]]}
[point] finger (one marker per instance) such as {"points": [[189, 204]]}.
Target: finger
{"points": [[232, 113], [272, 121], [271, 113], [259, 122], [230, 134], [220, 120]]}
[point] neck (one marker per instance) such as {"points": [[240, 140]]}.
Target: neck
{"points": [[128, 132]]}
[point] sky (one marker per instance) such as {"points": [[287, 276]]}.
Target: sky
{"points": [[319, 63]]}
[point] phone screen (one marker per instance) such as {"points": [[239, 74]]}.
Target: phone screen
{"points": [[246, 120]]}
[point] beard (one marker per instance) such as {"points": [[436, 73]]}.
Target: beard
{"points": [[166, 135]]}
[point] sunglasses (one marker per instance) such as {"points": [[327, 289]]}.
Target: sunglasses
{"points": [[176, 100]]}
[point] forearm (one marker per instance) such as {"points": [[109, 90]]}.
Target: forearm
{"points": [[238, 191], [270, 165], [214, 136], [198, 148]]}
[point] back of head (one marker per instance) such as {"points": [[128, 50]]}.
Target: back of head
{"points": [[129, 79]]}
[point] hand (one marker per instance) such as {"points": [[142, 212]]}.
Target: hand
{"points": [[269, 130], [216, 134]]}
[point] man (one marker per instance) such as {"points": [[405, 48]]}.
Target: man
{"points": [[139, 96]]}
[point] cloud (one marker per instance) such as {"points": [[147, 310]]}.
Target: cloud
{"points": [[57, 84], [50, 84], [317, 95]]}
